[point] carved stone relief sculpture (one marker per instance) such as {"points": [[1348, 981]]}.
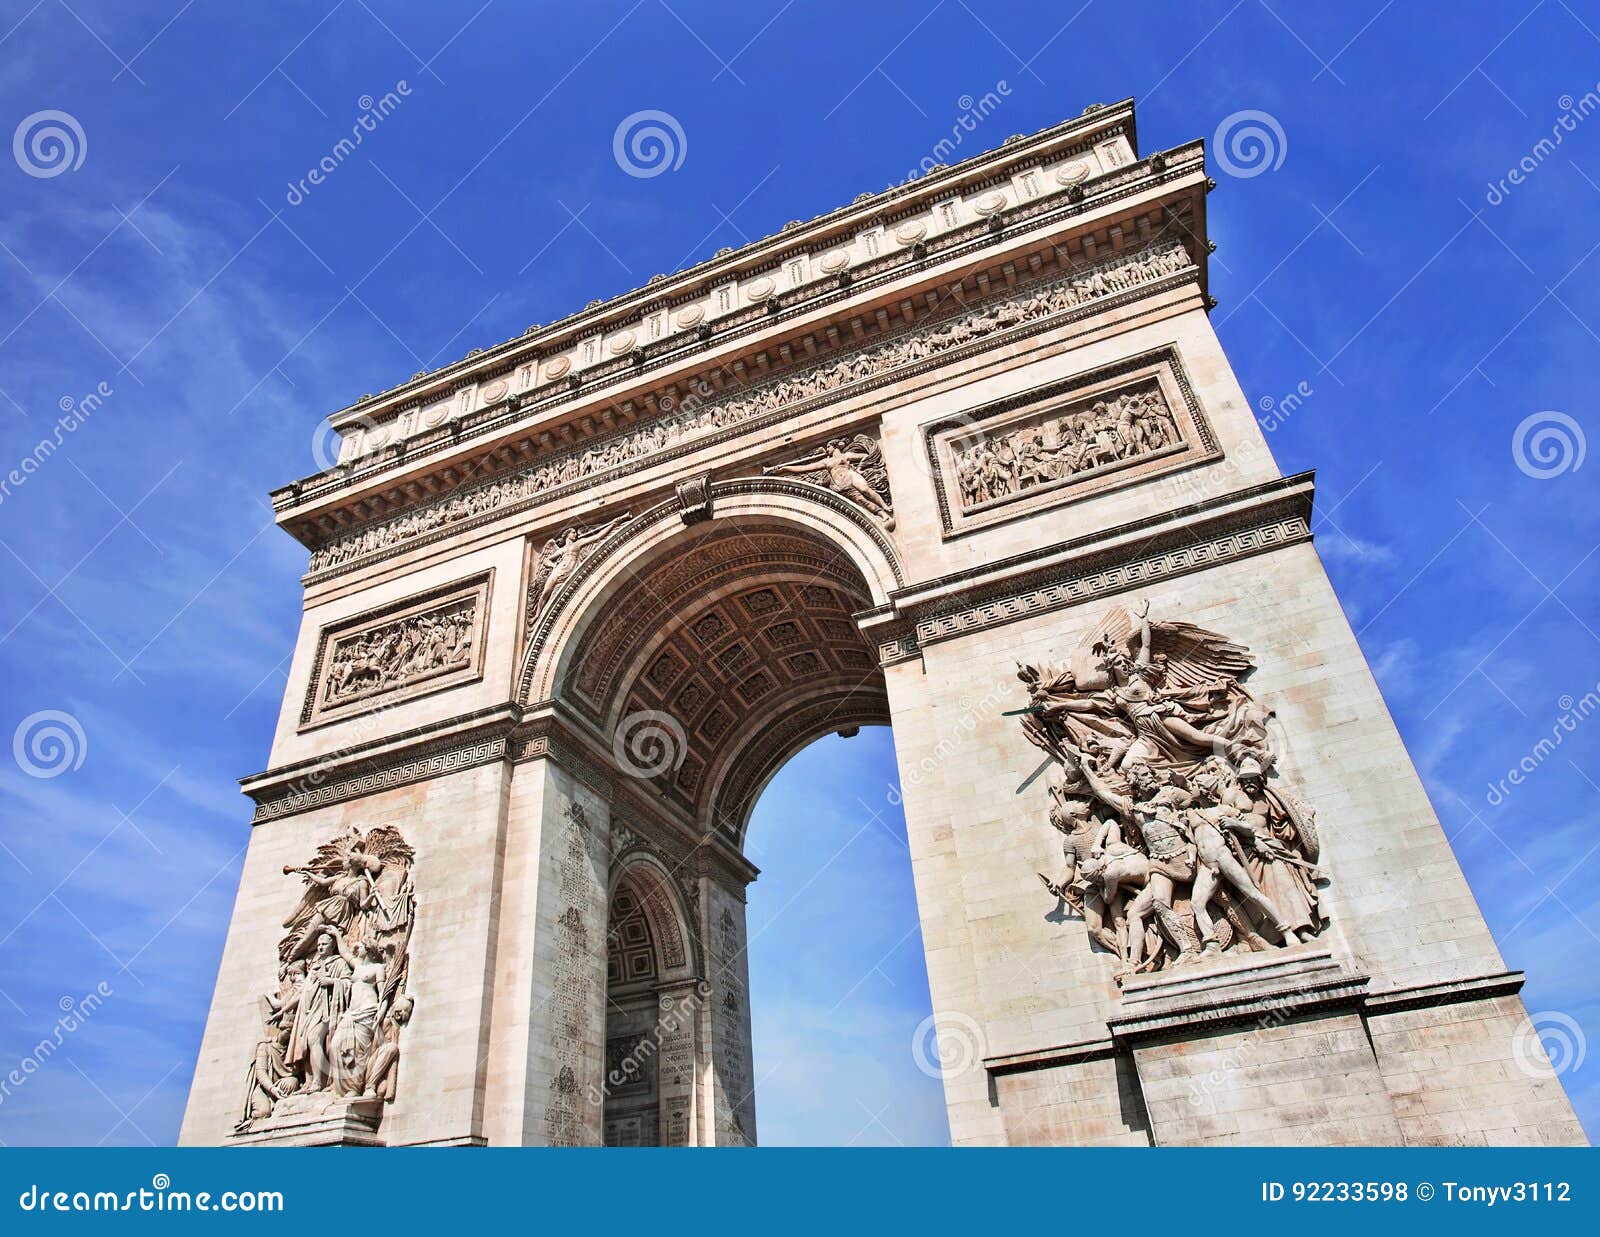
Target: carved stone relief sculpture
{"points": [[1180, 840], [559, 558], [422, 645], [1103, 429], [850, 467], [332, 1026], [1096, 435], [1083, 283]]}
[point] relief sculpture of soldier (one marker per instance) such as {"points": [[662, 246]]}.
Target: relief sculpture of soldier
{"points": [[1109, 431], [1176, 846], [332, 1026], [398, 653]]}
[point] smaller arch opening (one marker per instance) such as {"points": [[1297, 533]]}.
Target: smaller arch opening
{"points": [[649, 995]]}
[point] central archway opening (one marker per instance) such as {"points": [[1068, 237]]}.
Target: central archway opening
{"points": [[708, 654], [840, 1012]]}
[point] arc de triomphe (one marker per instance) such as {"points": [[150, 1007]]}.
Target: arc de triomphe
{"points": [[574, 599]]}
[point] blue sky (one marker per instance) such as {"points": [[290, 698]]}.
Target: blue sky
{"points": [[1374, 267]]}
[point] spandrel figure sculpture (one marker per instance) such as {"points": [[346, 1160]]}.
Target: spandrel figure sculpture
{"points": [[850, 467]]}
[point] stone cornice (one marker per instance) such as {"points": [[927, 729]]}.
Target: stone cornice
{"points": [[504, 733], [1097, 123], [926, 347], [548, 410]]}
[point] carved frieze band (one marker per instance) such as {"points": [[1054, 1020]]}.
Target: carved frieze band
{"points": [[1156, 562], [318, 787], [424, 644], [1087, 288], [892, 240]]}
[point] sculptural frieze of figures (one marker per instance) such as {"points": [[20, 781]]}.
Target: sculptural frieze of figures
{"points": [[400, 653], [331, 1028], [1180, 839], [1080, 284], [850, 467], [1090, 437]]}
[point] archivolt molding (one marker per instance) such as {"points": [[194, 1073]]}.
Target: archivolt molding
{"points": [[736, 782], [662, 898], [766, 501]]}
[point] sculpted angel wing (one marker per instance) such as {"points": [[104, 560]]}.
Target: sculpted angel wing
{"points": [[1195, 657], [331, 855], [871, 466], [1115, 630], [384, 842]]}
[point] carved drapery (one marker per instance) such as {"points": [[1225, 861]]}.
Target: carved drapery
{"points": [[1180, 838], [558, 560], [332, 1027]]}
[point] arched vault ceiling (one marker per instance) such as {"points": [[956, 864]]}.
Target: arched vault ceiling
{"points": [[744, 637]]}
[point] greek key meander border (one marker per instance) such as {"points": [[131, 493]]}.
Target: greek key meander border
{"points": [[864, 386], [1268, 530], [442, 756], [1113, 186], [1167, 356]]}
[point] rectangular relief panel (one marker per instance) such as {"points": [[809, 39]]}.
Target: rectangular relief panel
{"points": [[1094, 432], [426, 643]]}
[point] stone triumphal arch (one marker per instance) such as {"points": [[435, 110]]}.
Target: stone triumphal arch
{"points": [[964, 457]]}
